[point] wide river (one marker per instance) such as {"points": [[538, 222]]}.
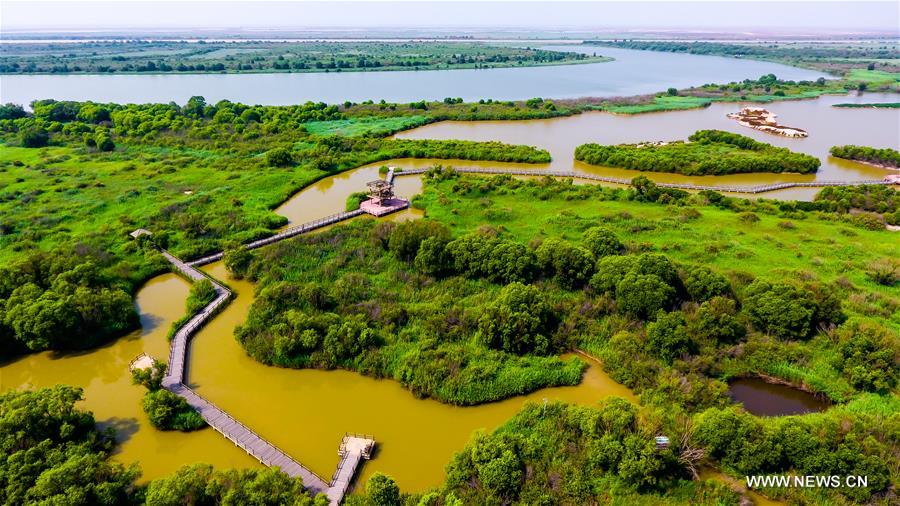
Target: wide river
{"points": [[632, 73]]}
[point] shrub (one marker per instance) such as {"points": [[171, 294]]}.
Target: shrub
{"points": [[168, 411], [884, 271], [571, 266], [382, 490], [35, 137], [668, 337], [602, 242], [279, 157], [702, 283], [780, 309], [870, 354], [432, 257], [643, 295], [519, 321], [716, 321], [237, 260], [407, 236], [610, 270]]}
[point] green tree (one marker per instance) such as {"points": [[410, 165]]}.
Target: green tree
{"points": [[407, 236], [716, 320], [168, 411], [643, 295], [702, 283], [870, 356], [519, 321], [783, 310], [238, 260], [602, 242], [35, 137], [279, 157], [668, 337], [382, 490]]}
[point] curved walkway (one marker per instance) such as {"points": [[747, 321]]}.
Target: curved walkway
{"points": [[682, 186], [353, 448]]}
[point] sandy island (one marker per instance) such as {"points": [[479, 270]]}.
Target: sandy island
{"points": [[763, 120]]}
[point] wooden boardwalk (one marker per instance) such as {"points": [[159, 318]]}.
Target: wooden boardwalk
{"points": [[178, 347], [682, 186], [247, 440], [284, 234], [352, 450]]}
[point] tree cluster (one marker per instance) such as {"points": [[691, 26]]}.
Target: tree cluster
{"points": [[709, 152]]}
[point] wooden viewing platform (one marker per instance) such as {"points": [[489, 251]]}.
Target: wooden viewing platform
{"points": [[682, 186], [353, 448]]}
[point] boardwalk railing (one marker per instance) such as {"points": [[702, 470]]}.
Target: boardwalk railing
{"points": [[614, 180], [262, 450], [285, 234]]}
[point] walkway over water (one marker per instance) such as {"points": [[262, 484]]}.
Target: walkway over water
{"points": [[353, 448], [682, 186], [285, 234]]}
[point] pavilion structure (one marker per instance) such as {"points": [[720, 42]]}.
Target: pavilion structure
{"points": [[382, 200]]}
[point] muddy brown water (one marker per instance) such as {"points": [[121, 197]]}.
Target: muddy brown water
{"points": [[768, 399], [304, 412], [827, 126]]}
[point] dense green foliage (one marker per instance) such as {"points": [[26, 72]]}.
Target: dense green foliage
{"points": [[165, 410], [821, 55], [52, 453], [168, 411], [62, 301], [710, 152], [560, 454], [200, 484], [238, 56], [886, 157], [354, 297], [881, 199], [676, 330], [836, 443]]}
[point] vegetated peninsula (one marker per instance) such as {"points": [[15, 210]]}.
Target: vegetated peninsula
{"points": [[845, 57], [240, 56], [881, 157], [869, 105], [709, 152]]}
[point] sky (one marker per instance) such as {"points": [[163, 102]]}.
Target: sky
{"points": [[760, 15]]}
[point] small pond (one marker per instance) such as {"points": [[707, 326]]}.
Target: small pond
{"points": [[768, 399]]}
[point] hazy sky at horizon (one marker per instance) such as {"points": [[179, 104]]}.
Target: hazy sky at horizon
{"points": [[73, 15]]}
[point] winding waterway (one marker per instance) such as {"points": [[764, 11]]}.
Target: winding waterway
{"points": [[304, 412], [632, 73]]}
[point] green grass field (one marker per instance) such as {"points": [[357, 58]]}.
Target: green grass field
{"points": [[364, 125], [775, 247]]}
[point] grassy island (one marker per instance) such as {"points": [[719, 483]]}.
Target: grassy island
{"points": [[709, 152], [883, 157], [235, 56]]}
